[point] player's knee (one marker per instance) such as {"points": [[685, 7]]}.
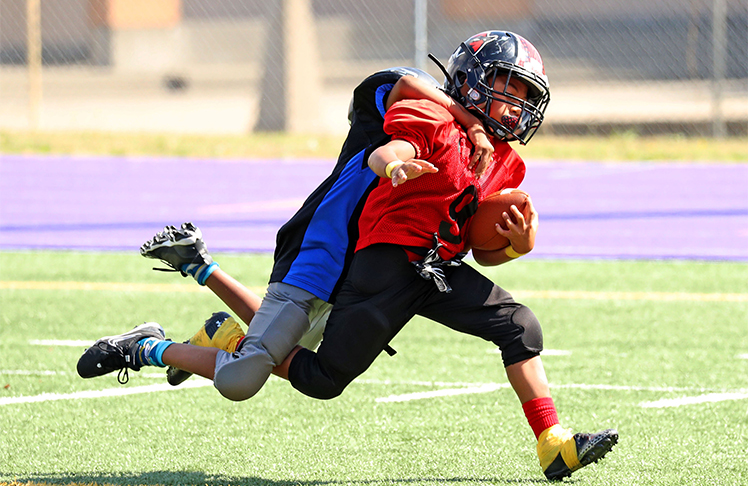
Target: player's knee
{"points": [[355, 336], [240, 377], [283, 331], [309, 375], [532, 334], [358, 335]]}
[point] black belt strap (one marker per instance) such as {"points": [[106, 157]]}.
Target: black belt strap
{"points": [[432, 266]]}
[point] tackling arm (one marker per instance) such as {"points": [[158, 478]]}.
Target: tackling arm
{"points": [[410, 87], [395, 161]]}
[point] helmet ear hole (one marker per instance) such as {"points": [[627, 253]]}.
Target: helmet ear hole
{"points": [[460, 78]]}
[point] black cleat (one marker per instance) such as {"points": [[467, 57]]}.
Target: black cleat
{"points": [[567, 453], [179, 248], [120, 352]]}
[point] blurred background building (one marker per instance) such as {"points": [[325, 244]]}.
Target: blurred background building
{"points": [[236, 66]]}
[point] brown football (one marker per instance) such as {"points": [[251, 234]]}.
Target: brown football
{"points": [[482, 233]]}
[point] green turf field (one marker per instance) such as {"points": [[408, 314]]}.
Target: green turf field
{"points": [[657, 350], [618, 147]]}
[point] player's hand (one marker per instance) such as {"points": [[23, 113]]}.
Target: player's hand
{"points": [[482, 149], [411, 169], [521, 231]]}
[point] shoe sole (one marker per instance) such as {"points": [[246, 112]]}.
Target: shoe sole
{"points": [[175, 376], [168, 240]]}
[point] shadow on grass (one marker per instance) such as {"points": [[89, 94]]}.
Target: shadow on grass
{"points": [[195, 478]]}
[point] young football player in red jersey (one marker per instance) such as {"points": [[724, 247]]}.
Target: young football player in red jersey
{"points": [[413, 229]]}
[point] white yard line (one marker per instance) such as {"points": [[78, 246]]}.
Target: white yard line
{"points": [[467, 389], [32, 372], [708, 398], [447, 389], [545, 352], [490, 387], [110, 392], [60, 342], [520, 294]]}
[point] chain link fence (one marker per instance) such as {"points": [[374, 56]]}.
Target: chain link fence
{"points": [[237, 66]]}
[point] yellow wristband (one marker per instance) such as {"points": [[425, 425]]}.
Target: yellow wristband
{"points": [[511, 253], [391, 166]]}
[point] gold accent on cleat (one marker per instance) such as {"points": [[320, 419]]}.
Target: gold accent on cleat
{"points": [[226, 336], [555, 440]]}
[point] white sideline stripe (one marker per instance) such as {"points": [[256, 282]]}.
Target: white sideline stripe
{"points": [[655, 296], [108, 286], [32, 372], [63, 373], [60, 342], [708, 398], [545, 352], [743, 356], [520, 294], [491, 387], [467, 389], [110, 392]]}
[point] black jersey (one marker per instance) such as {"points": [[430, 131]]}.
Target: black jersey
{"points": [[314, 248]]}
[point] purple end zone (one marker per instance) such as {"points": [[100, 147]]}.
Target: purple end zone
{"points": [[587, 209]]}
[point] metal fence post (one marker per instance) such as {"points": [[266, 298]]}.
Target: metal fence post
{"points": [[719, 37], [421, 33]]}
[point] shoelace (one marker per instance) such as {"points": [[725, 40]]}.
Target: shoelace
{"points": [[123, 376]]}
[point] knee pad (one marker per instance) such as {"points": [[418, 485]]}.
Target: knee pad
{"points": [[239, 376], [532, 334], [284, 330], [276, 328]]}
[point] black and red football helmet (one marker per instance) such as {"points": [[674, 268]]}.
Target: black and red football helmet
{"points": [[473, 68]]}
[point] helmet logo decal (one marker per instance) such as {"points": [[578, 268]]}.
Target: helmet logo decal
{"points": [[477, 42], [529, 58]]}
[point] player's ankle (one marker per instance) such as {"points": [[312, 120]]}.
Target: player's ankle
{"points": [[200, 271]]}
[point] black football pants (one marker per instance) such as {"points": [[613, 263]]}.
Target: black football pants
{"points": [[382, 292]]}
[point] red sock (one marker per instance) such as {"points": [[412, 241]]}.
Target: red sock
{"points": [[541, 413]]}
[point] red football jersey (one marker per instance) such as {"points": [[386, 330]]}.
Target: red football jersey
{"points": [[440, 203]]}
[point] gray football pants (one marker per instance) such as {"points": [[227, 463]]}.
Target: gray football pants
{"points": [[288, 316]]}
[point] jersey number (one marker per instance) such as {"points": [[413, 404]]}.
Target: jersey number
{"points": [[459, 216]]}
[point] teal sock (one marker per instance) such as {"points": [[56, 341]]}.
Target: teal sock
{"points": [[152, 350]]}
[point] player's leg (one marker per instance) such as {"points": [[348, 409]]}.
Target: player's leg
{"points": [[374, 303], [243, 302], [145, 345], [220, 331], [279, 324], [478, 307], [183, 250]]}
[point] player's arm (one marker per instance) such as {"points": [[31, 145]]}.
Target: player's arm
{"points": [[410, 87], [242, 301], [521, 237], [395, 160]]}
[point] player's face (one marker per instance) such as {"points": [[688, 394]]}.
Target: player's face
{"points": [[504, 108]]}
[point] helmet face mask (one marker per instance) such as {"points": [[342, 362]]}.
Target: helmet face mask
{"points": [[472, 72]]}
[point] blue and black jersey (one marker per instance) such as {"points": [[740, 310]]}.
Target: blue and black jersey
{"points": [[314, 248]]}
